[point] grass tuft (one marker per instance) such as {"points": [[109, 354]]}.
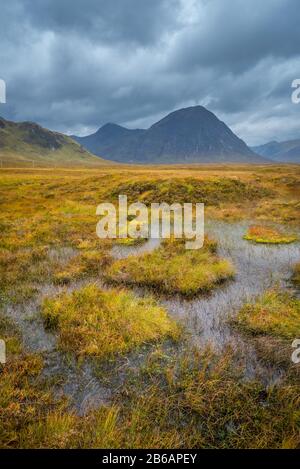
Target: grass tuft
{"points": [[275, 313], [88, 264], [296, 274], [91, 321], [173, 269], [266, 235]]}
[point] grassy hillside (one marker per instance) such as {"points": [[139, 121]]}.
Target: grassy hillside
{"points": [[29, 143]]}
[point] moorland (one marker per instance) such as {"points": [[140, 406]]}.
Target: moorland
{"points": [[128, 345]]}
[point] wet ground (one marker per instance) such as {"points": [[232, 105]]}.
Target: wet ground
{"points": [[258, 267]]}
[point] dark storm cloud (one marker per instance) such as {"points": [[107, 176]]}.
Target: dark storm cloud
{"points": [[134, 21], [234, 35], [74, 65]]}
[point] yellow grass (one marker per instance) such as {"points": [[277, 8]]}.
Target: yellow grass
{"points": [[91, 321], [276, 313], [296, 274], [175, 400], [173, 269], [266, 235]]}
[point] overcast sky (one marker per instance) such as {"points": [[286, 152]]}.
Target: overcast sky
{"points": [[73, 65]]}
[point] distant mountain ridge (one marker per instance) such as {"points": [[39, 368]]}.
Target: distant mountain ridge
{"points": [[282, 152], [189, 135], [28, 141]]}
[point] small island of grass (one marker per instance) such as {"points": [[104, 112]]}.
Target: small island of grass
{"points": [[267, 235], [172, 268], [103, 323], [276, 313]]}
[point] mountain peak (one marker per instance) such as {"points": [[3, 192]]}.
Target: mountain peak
{"points": [[189, 116], [286, 152], [111, 129], [188, 135], [110, 125]]}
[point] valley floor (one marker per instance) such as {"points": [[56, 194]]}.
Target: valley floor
{"points": [[115, 345]]}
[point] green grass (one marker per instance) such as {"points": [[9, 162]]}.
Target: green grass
{"points": [[25, 143], [265, 235], [195, 400], [296, 274], [176, 399], [275, 313], [179, 399], [100, 323], [21, 270], [210, 192], [173, 269], [24, 399], [199, 400], [11, 335], [88, 263], [130, 241]]}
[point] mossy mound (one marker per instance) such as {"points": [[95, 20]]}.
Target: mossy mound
{"points": [[173, 269], [266, 235], [102, 323]]}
